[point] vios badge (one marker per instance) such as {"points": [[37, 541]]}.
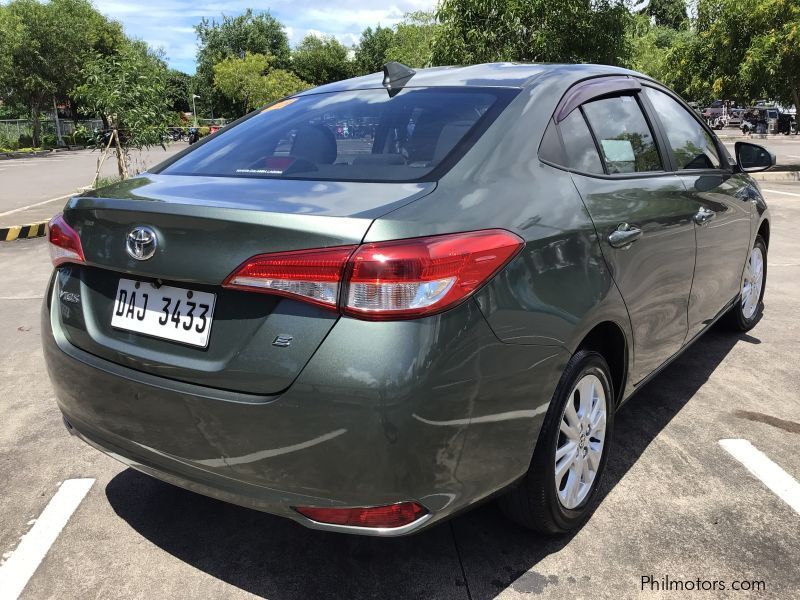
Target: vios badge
{"points": [[141, 243]]}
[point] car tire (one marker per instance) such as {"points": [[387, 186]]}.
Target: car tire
{"points": [[541, 502], [749, 306]]}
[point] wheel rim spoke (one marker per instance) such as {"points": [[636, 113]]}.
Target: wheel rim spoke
{"points": [[573, 484], [594, 457], [569, 431], [597, 420], [566, 463], [568, 448], [587, 392], [570, 415]]}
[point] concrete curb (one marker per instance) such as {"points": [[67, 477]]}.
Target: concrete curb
{"points": [[777, 176], [22, 232], [40, 153]]}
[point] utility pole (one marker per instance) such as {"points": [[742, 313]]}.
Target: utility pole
{"points": [[57, 123]]}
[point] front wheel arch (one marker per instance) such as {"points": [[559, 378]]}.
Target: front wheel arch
{"points": [[763, 231]]}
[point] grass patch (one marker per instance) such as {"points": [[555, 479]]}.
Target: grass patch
{"points": [[106, 181], [22, 149]]}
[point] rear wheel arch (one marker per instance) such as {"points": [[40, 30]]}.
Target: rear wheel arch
{"points": [[608, 339]]}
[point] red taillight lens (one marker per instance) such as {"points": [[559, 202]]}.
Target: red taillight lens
{"points": [[311, 275], [410, 278], [388, 517], [384, 280], [65, 245]]}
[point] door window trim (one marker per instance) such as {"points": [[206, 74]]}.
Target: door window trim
{"points": [[660, 148], [724, 165], [608, 86]]}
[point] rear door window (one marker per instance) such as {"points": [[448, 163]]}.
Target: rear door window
{"points": [[362, 135], [624, 137], [578, 144], [692, 147]]}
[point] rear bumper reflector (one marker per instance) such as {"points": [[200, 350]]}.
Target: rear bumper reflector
{"points": [[382, 517]]}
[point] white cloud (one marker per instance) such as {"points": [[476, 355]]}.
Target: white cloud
{"points": [[170, 23]]}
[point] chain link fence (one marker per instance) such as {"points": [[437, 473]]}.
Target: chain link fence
{"points": [[12, 129]]}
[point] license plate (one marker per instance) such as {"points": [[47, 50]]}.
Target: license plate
{"points": [[165, 312]]}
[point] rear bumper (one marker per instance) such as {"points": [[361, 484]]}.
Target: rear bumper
{"points": [[436, 411]]}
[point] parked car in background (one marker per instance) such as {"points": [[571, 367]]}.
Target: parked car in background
{"points": [[760, 121], [371, 334], [787, 123], [729, 117]]}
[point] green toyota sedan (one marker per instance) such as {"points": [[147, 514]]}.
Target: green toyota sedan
{"points": [[379, 302]]}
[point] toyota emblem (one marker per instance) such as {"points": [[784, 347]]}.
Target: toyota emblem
{"points": [[141, 243]]}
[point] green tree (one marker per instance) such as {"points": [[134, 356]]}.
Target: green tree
{"points": [[251, 82], [370, 54], [742, 51], [771, 65], [12, 35], [128, 90], [667, 13], [180, 87], [58, 36], [476, 31], [657, 51], [413, 39], [321, 60], [234, 36]]}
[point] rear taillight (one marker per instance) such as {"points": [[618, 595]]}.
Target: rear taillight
{"points": [[379, 517], [410, 278], [65, 245], [310, 275], [384, 280]]}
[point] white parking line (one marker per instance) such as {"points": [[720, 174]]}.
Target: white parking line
{"points": [[770, 474], [780, 192], [23, 562], [21, 208], [793, 156]]}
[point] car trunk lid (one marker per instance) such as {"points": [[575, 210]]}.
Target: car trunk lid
{"points": [[205, 228]]}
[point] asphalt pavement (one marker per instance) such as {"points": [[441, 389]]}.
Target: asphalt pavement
{"points": [[675, 503], [34, 189]]}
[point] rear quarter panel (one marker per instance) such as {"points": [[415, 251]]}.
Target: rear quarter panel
{"points": [[559, 287]]}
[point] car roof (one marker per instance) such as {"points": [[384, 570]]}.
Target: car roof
{"points": [[502, 74]]}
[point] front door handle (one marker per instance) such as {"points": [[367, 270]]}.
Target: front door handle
{"points": [[703, 216], [623, 235]]}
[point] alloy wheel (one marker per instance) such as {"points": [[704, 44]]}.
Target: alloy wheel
{"points": [[580, 441], [752, 283]]}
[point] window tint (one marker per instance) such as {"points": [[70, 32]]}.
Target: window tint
{"points": [[362, 135], [625, 139], [579, 145], [692, 146], [551, 149]]}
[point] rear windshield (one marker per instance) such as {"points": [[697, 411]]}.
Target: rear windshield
{"points": [[363, 135]]}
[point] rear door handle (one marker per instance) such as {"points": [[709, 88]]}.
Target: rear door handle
{"points": [[623, 235], [703, 216]]}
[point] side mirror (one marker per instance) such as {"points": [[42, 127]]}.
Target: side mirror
{"points": [[752, 158]]}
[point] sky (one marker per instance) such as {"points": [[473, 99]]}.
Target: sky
{"points": [[169, 24]]}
